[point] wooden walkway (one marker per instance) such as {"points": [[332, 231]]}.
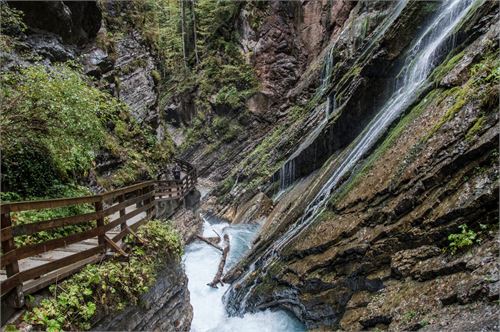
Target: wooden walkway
{"points": [[117, 213]]}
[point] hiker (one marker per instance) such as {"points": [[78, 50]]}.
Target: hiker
{"points": [[176, 172]]}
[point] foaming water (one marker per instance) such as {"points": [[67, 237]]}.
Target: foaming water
{"points": [[209, 313]]}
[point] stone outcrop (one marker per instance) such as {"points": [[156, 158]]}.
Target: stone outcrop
{"points": [[165, 307], [134, 84], [188, 223], [67, 30], [379, 256], [277, 40], [75, 21], [254, 210]]}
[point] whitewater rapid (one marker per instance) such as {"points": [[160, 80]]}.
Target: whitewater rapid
{"points": [[201, 262]]}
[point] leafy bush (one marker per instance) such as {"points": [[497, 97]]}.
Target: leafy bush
{"points": [[52, 127], [229, 96], [12, 19], [466, 238], [225, 129], [54, 123], [160, 236], [110, 286]]}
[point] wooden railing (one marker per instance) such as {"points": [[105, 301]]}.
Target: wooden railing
{"points": [[177, 188], [122, 204]]}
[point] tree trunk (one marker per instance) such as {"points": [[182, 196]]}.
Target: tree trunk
{"points": [[183, 31], [208, 242], [193, 18], [218, 276]]}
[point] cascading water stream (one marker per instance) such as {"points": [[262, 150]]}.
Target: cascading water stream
{"points": [[287, 173], [422, 57]]}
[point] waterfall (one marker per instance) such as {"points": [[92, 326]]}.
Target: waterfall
{"points": [[331, 105], [424, 54], [326, 74], [421, 59], [287, 172]]}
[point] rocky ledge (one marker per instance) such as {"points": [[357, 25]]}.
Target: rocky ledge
{"points": [[165, 307]]}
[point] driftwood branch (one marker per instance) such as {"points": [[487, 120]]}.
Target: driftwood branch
{"points": [[218, 235], [208, 242], [218, 276]]}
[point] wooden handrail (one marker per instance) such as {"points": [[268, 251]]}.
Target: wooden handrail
{"points": [[140, 197]]}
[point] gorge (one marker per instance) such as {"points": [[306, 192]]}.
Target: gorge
{"points": [[348, 150]]}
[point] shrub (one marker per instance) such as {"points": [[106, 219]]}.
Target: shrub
{"points": [[229, 96], [52, 127], [466, 238], [12, 19]]}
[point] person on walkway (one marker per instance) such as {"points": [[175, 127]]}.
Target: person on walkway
{"points": [[176, 172]]}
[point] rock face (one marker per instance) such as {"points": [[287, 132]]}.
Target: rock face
{"points": [[75, 21], [279, 40], [165, 307], [254, 210], [380, 255], [134, 84], [68, 30]]}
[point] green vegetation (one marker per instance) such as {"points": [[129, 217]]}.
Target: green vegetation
{"points": [[259, 164], [461, 99], [465, 239], [11, 24], [77, 302], [12, 20], [221, 129], [53, 125], [475, 129], [297, 113], [481, 87], [199, 52], [446, 67], [409, 315], [226, 128]]}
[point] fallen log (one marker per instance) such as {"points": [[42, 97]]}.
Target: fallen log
{"points": [[208, 242], [218, 276]]}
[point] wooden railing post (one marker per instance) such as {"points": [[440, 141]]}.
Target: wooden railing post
{"points": [[152, 209], [123, 224], [100, 221], [13, 268]]}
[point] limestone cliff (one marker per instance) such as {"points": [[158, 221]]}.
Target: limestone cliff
{"points": [[379, 255]]}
